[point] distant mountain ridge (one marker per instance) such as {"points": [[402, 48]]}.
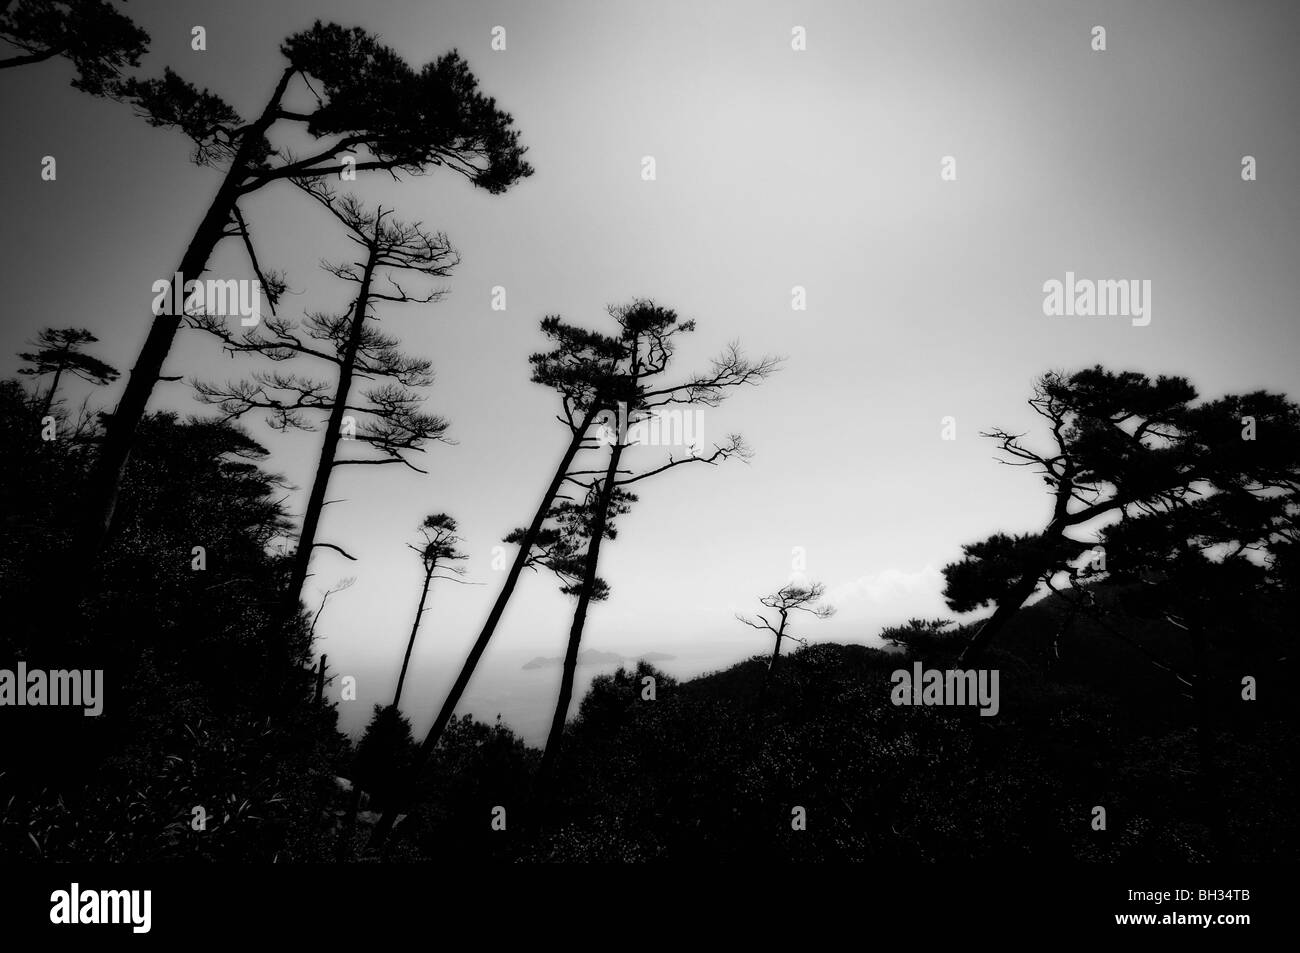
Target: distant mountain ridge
{"points": [[597, 657]]}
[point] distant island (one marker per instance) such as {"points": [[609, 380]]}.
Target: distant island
{"points": [[596, 657]]}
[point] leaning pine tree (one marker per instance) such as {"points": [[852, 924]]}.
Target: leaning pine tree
{"points": [[589, 372], [59, 352], [437, 552], [385, 748], [1121, 444], [386, 416], [367, 109], [1116, 446], [647, 334]]}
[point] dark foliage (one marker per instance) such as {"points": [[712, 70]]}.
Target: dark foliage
{"points": [[1106, 697], [190, 718], [385, 751], [98, 39]]}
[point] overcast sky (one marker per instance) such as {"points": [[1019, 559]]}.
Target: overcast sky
{"points": [[775, 168]]}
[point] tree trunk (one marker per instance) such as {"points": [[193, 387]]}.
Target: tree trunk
{"points": [[555, 739], [1008, 606], [771, 663], [1023, 587], [385, 824], [329, 447], [320, 680], [415, 627], [110, 464], [49, 398], [776, 653]]}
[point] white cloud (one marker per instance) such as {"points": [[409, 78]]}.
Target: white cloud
{"points": [[891, 587]]}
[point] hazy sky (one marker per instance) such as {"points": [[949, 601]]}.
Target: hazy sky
{"points": [[775, 168]]}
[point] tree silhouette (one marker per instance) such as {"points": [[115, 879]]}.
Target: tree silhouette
{"points": [[370, 109], [390, 420], [588, 370], [790, 598], [59, 352], [577, 368], [387, 747], [1207, 562], [340, 586], [95, 37], [647, 334], [1118, 443], [437, 552]]}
